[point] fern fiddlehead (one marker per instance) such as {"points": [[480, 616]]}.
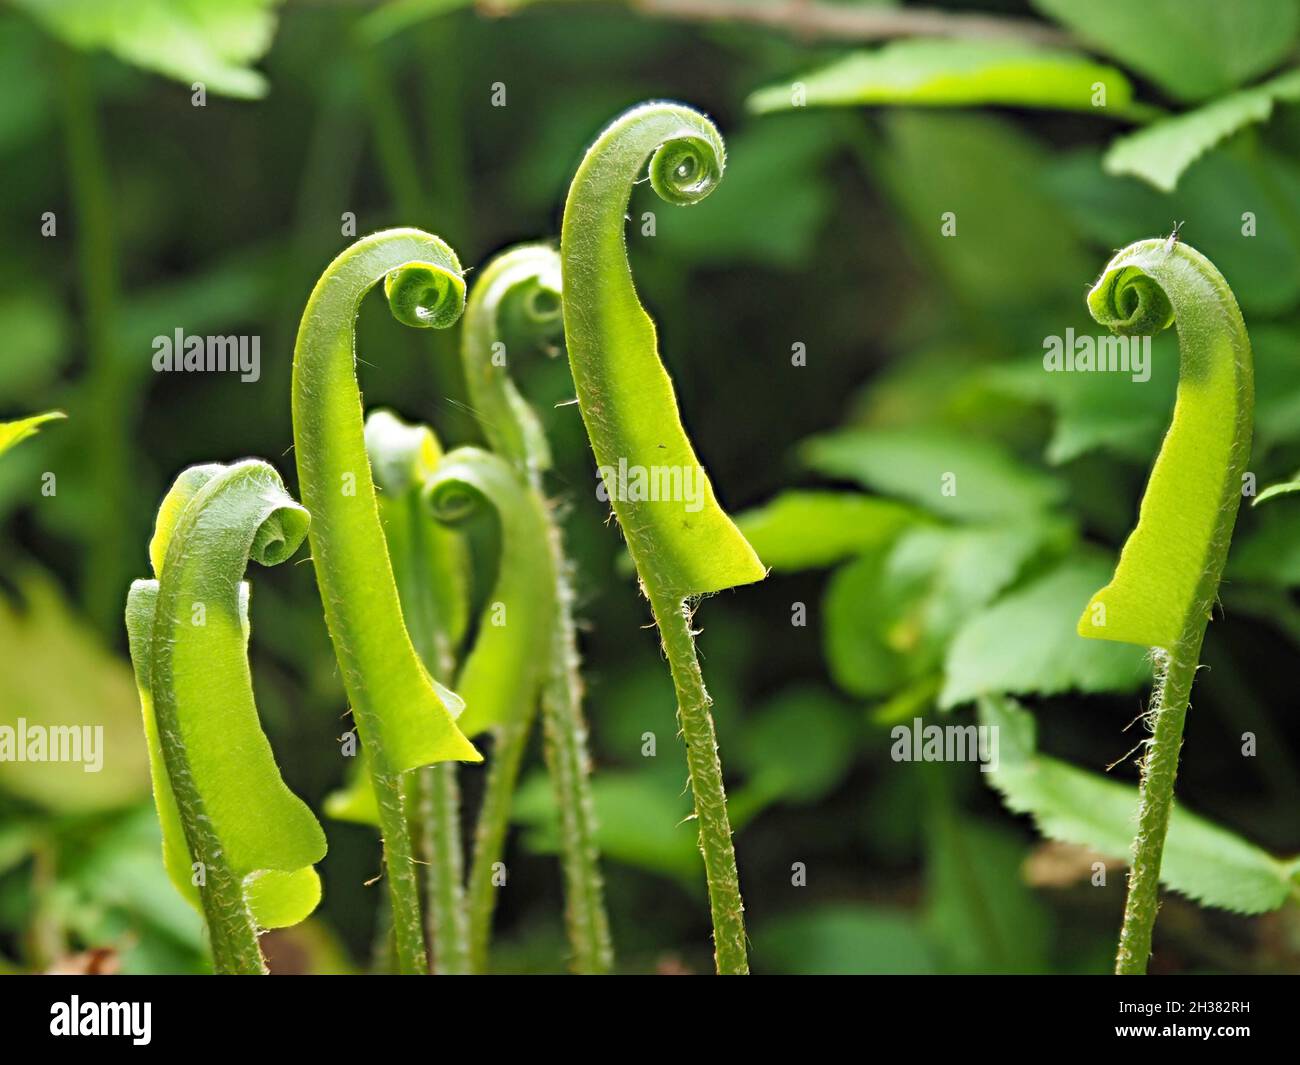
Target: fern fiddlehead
{"points": [[519, 293], [503, 673], [430, 565], [684, 546], [1167, 579], [405, 720], [236, 842]]}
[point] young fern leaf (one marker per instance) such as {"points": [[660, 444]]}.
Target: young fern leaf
{"points": [[681, 548], [424, 554], [431, 567], [236, 842], [405, 720], [519, 293], [1167, 579], [16, 432], [503, 674]]}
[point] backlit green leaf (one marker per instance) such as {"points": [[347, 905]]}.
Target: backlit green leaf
{"points": [[57, 674], [949, 475], [890, 614], [1210, 201], [209, 41], [952, 72], [15, 432], [1098, 410], [801, 530]]}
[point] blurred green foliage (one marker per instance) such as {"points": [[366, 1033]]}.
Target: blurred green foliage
{"points": [[887, 598]]}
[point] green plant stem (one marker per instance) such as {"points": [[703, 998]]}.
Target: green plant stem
{"points": [[569, 765], [693, 702], [490, 834], [1156, 802], [439, 820], [400, 869], [436, 809], [403, 720], [1166, 583], [632, 418], [381, 945]]}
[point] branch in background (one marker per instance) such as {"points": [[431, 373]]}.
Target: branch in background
{"points": [[810, 19]]}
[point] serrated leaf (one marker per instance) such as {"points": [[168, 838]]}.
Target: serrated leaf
{"points": [[1162, 152], [949, 475], [209, 41], [801, 530], [1193, 49], [951, 72], [1202, 860], [1210, 200], [1027, 642]]}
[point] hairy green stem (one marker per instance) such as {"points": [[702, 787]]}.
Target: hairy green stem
{"points": [[508, 746], [569, 765], [696, 722], [400, 869], [435, 809], [1156, 802], [439, 818]]}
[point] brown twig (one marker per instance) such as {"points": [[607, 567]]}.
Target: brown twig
{"points": [[811, 19]]}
